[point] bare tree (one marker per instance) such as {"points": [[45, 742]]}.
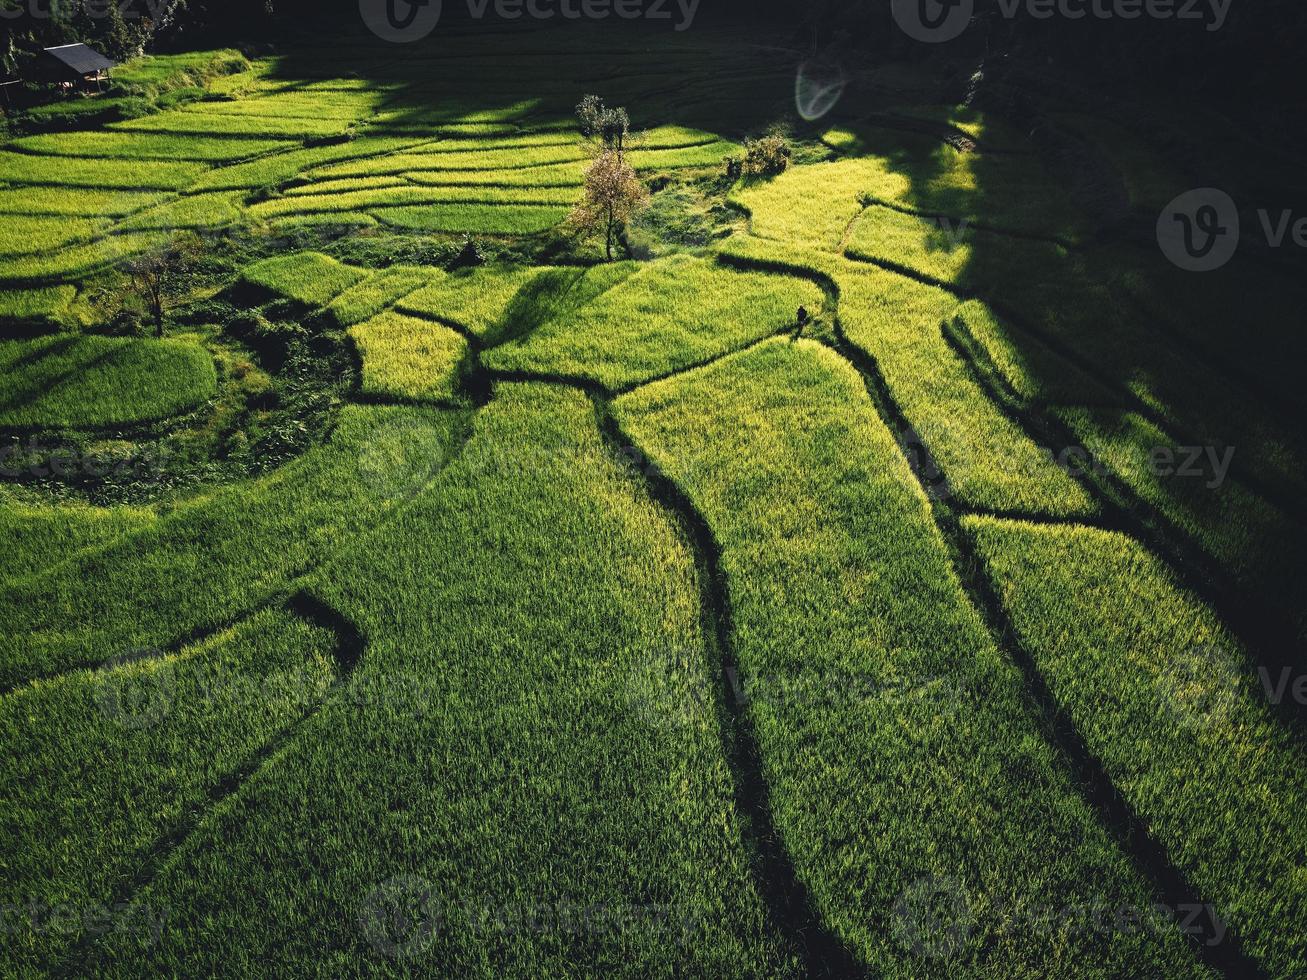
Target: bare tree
{"points": [[613, 194], [160, 273]]}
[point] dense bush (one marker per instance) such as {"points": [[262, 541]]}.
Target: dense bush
{"points": [[768, 156]]}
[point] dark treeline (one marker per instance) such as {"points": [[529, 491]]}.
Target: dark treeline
{"points": [[1249, 67]]}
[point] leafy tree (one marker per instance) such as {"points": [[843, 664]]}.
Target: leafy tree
{"points": [[613, 194], [607, 128]]}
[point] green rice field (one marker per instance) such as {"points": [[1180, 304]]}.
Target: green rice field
{"points": [[883, 567]]}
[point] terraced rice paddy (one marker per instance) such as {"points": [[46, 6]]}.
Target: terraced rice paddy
{"points": [[503, 611]]}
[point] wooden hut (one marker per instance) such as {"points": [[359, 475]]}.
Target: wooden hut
{"points": [[74, 66]]}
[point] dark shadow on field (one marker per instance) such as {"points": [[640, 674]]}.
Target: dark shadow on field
{"points": [[1084, 291], [533, 76], [1170, 348]]}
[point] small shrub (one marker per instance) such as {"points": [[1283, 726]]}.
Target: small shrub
{"points": [[768, 156]]}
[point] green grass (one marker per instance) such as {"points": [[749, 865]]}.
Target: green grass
{"points": [[475, 300], [1013, 192], [409, 359], [44, 233], [1107, 304], [306, 277], [376, 293], [988, 460], [35, 305], [345, 185], [669, 315], [75, 201], [185, 122], [129, 175], [489, 219], [219, 556], [1163, 697], [1252, 540], [513, 723], [278, 167], [873, 685], [560, 175], [39, 536], [533, 720], [520, 157], [194, 211], [138, 146], [97, 382], [812, 206], [162, 72], [412, 198], [109, 763], [81, 260]]}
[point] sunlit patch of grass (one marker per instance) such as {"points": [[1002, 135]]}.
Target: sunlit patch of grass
{"points": [[489, 219], [306, 277], [1164, 698], [893, 735], [140, 146], [986, 457], [473, 299], [517, 753], [131, 175], [377, 292], [43, 305], [216, 557], [409, 359], [669, 315]]}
